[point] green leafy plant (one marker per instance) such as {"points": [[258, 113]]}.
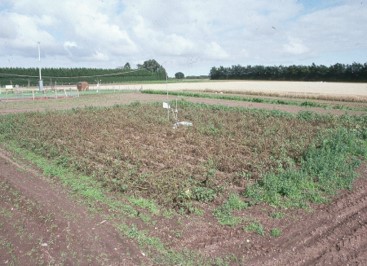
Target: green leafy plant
{"points": [[203, 194], [275, 232], [224, 213], [255, 227], [277, 215]]}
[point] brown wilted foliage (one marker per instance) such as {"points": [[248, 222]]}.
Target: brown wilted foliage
{"points": [[135, 150]]}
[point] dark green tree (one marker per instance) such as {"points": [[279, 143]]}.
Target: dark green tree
{"points": [[179, 75], [151, 65], [337, 72], [127, 66]]}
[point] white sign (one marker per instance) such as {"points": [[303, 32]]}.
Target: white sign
{"points": [[166, 105]]}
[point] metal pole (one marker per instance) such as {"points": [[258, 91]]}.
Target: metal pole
{"points": [[168, 109], [40, 83]]}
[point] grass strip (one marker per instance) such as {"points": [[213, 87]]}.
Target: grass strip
{"points": [[254, 99]]}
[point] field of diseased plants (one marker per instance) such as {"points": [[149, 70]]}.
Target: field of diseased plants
{"points": [[135, 150], [211, 193]]}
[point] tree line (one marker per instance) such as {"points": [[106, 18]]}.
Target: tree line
{"points": [[355, 72], [149, 71]]}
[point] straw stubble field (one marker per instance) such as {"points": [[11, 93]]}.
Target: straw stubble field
{"points": [[288, 88]]}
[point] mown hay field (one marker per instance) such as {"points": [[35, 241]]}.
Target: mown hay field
{"points": [[333, 89]]}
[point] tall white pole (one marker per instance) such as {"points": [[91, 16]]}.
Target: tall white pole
{"points": [[40, 83], [168, 109], [39, 60]]}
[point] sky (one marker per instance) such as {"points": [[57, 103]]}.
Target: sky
{"points": [[189, 36]]}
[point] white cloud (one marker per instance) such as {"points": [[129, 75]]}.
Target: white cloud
{"points": [[8, 32], [99, 56], [215, 51], [68, 44], [23, 35], [336, 28], [295, 46], [177, 45]]}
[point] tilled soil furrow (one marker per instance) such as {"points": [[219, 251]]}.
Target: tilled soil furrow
{"points": [[309, 251], [348, 204], [352, 235], [336, 234], [321, 224], [345, 251]]}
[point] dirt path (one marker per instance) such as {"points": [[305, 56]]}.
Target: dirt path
{"points": [[126, 98], [41, 224]]}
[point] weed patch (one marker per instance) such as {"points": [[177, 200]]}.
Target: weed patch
{"points": [[277, 215], [224, 213], [327, 166], [255, 227], [275, 232]]}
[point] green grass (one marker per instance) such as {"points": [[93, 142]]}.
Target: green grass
{"points": [[162, 254], [145, 204]]}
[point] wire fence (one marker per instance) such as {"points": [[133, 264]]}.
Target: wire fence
{"points": [[33, 93], [8, 94]]}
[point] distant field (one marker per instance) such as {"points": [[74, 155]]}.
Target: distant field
{"points": [[286, 87]]}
